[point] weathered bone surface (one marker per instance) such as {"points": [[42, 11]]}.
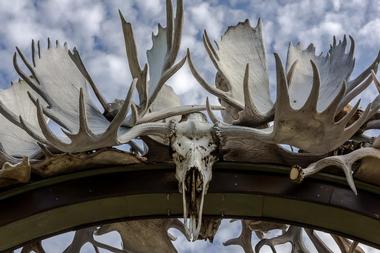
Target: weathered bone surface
{"points": [[345, 162], [311, 115], [194, 145], [319, 132]]}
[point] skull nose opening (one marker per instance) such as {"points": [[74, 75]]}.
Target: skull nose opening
{"points": [[193, 180], [193, 196], [193, 190]]}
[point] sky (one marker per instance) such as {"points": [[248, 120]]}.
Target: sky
{"points": [[93, 26]]}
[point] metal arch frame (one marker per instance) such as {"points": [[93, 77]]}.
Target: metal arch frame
{"points": [[50, 206]]}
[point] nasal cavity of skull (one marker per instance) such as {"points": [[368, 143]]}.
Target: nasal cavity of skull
{"points": [[194, 183]]}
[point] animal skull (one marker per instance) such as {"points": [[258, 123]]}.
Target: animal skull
{"points": [[194, 146]]}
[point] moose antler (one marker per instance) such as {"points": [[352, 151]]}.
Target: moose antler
{"points": [[310, 94], [86, 128], [239, 46], [161, 58], [85, 139], [305, 127], [344, 162]]}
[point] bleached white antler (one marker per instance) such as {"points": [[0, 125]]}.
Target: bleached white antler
{"points": [[59, 77], [344, 162], [239, 46], [310, 94], [85, 139], [154, 95], [335, 68], [305, 127]]}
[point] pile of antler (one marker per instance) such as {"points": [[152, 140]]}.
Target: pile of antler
{"points": [[57, 90], [312, 111]]}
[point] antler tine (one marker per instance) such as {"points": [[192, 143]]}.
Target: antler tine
{"points": [[154, 128], [165, 76], [354, 92], [168, 69], [142, 89], [332, 108], [250, 112], [83, 126], [38, 49], [173, 50], [122, 113], [33, 54], [210, 49], [289, 76], [133, 62], [29, 81], [360, 78], [354, 127], [50, 138], [174, 111], [216, 92], [282, 101], [311, 102], [210, 113], [352, 47], [47, 112], [248, 103], [78, 61], [344, 121], [130, 47], [169, 22], [375, 80], [134, 114], [85, 139]]}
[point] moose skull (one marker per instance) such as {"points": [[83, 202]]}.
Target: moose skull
{"points": [[194, 146]]}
